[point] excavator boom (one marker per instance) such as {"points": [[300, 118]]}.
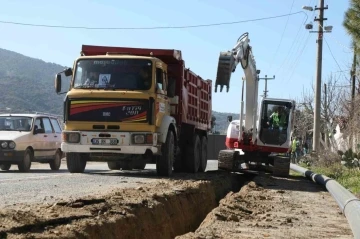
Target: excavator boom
{"points": [[228, 60]]}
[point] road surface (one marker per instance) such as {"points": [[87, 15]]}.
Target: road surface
{"points": [[41, 185]]}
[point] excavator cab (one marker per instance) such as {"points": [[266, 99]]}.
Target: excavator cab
{"points": [[276, 122]]}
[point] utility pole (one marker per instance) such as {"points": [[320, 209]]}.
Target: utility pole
{"points": [[326, 116], [353, 87], [353, 77], [321, 30], [266, 79]]}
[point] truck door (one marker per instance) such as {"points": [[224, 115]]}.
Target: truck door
{"points": [[162, 102]]}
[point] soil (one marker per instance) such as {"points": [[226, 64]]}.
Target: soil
{"points": [[163, 209], [275, 208], [265, 207]]}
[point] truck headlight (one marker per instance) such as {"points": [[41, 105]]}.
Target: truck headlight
{"points": [[71, 137], [4, 145], [139, 139], [12, 145]]}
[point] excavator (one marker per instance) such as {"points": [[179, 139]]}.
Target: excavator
{"points": [[259, 138]]}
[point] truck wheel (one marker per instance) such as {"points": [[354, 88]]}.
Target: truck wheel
{"points": [[179, 160], [203, 154], [193, 155], [164, 163], [25, 164], [126, 165], [5, 166], [113, 165], [75, 162], [56, 163], [141, 164]]}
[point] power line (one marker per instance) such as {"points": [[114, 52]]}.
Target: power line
{"points": [[298, 58], [282, 35], [150, 28], [335, 59], [292, 61], [296, 39], [332, 55]]}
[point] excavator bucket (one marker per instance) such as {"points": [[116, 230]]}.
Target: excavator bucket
{"points": [[224, 70]]}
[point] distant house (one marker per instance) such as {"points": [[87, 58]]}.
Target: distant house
{"points": [[339, 139]]}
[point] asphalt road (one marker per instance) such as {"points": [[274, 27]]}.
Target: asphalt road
{"points": [[41, 185]]}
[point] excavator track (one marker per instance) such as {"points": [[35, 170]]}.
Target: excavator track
{"points": [[224, 70], [281, 167], [226, 159]]}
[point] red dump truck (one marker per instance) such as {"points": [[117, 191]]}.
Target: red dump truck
{"points": [[132, 106]]}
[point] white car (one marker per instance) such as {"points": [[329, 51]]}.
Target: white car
{"points": [[27, 138]]}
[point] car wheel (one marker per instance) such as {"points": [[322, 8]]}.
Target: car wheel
{"points": [[56, 163], [25, 164]]}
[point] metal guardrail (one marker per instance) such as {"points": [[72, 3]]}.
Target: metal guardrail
{"points": [[348, 203]]}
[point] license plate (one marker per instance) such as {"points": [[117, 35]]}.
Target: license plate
{"points": [[97, 141]]}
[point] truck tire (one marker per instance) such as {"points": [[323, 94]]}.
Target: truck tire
{"points": [[179, 164], [138, 161], [5, 166], [25, 164], [203, 154], [75, 162], [127, 165], [113, 165], [164, 162], [56, 163], [193, 155], [140, 164]]}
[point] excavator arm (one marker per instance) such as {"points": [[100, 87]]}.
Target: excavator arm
{"points": [[228, 61]]}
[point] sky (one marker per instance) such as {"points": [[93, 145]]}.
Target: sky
{"points": [[281, 46]]}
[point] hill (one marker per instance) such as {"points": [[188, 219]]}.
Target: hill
{"points": [[27, 85], [221, 122]]}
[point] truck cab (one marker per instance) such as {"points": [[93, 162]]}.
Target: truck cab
{"points": [[118, 108]]}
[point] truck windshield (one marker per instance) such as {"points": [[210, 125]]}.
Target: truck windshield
{"points": [[126, 74], [15, 123]]}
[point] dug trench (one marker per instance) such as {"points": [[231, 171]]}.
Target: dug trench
{"points": [[164, 209]]}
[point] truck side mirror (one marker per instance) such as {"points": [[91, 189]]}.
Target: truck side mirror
{"points": [[68, 72], [171, 88], [229, 118], [58, 83]]}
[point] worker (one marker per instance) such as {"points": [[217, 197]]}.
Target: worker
{"points": [[293, 151], [305, 147], [92, 79], [278, 118], [145, 78]]}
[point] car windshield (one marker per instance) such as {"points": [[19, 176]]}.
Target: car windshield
{"points": [[15, 123], [125, 74]]}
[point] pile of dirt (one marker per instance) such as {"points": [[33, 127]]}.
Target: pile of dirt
{"points": [[274, 208], [163, 209]]}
